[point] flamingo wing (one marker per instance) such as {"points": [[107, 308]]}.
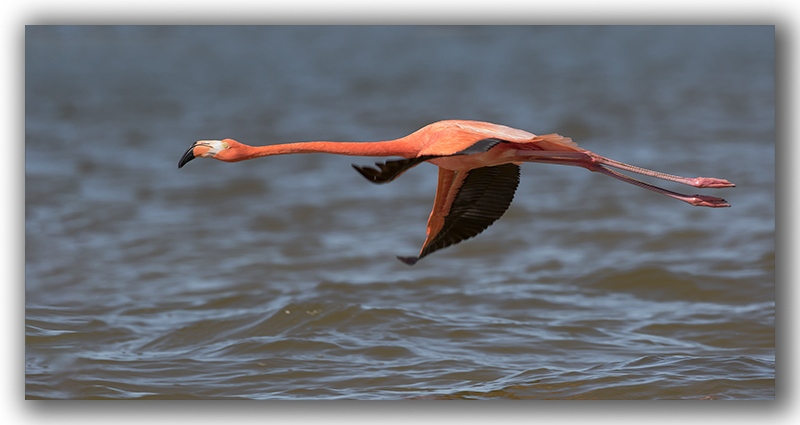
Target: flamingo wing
{"points": [[495, 130], [384, 172], [467, 202]]}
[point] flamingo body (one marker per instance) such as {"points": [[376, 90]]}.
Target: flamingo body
{"points": [[478, 170]]}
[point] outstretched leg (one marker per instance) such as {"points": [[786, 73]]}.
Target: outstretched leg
{"points": [[587, 158], [594, 162], [710, 182], [696, 200]]}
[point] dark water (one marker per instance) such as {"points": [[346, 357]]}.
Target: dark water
{"points": [[277, 278]]}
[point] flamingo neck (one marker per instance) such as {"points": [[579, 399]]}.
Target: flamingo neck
{"points": [[397, 147]]}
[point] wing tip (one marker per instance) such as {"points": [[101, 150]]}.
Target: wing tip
{"points": [[368, 172], [408, 260]]}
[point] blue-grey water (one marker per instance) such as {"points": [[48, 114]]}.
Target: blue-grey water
{"points": [[276, 278]]}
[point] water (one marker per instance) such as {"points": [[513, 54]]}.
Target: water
{"points": [[277, 279]]}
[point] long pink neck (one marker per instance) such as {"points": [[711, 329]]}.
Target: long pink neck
{"points": [[399, 147]]}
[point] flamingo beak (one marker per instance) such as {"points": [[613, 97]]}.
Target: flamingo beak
{"points": [[187, 156], [204, 148]]}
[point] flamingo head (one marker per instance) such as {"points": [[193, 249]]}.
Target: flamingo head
{"points": [[223, 150]]}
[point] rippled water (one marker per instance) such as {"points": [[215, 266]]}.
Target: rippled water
{"points": [[277, 279]]}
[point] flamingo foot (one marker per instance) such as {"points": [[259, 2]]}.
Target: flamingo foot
{"points": [[707, 201], [710, 182]]}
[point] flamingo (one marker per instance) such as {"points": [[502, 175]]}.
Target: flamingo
{"points": [[478, 170]]}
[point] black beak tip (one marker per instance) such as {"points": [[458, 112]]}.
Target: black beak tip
{"points": [[187, 156]]}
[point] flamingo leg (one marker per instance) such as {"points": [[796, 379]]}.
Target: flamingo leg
{"points": [[696, 200], [709, 182], [587, 159], [594, 162]]}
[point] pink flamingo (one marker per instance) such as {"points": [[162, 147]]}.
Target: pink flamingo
{"points": [[478, 170]]}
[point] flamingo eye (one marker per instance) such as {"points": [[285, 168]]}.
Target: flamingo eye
{"points": [[225, 145]]}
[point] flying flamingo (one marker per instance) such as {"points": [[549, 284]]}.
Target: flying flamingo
{"points": [[478, 170]]}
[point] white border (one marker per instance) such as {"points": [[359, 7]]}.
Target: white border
{"points": [[18, 14]]}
